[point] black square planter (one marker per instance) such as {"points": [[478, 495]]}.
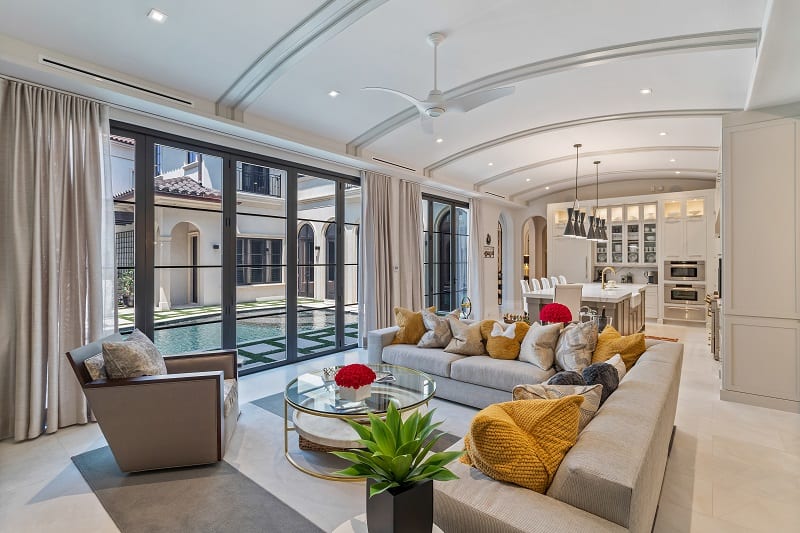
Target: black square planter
{"points": [[401, 509]]}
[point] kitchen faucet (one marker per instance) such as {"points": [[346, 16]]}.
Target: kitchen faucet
{"points": [[603, 276]]}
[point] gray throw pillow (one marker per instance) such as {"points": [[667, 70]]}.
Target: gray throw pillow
{"points": [[591, 397], [567, 377], [96, 366], [575, 346], [467, 339], [135, 356], [438, 333], [539, 345], [603, 374]]}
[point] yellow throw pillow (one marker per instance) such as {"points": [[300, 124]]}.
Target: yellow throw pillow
{"points": [[610, 342], [504, 342], [412, 328], [524, 441]]}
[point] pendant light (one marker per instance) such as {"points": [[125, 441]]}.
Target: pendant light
{"points": [[575, 217], [595, 233]]}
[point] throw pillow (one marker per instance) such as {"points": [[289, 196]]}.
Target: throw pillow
{"points": [[567, 377], [412, 328], [96, 366], [592, 395], [438, 333], [619, 364], [466, 338], [611, 342], [539, 345], [135, 356], [603, 374], [523, 442], [503, 343], [575, 346]]}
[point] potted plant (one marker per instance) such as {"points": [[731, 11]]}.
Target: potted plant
{"points": [[399, 470], [125, 281]]}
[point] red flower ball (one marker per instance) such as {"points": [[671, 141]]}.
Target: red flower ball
{"points": [[555, 312], [354, 376]]}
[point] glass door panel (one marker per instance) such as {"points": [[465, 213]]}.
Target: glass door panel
{"points": [[617, 248], [650, 243], [123, 184], [633, 244]]}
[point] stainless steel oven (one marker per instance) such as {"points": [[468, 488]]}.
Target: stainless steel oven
{"points": [[684, 270], [684, 293]]}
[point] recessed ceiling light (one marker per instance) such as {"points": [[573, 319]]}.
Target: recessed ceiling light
{"points": [[662, 133], [527, 179], [491, 164], [672, 160], [156, 15], [547, 188], [333, 94], [677, 172], [645, 91], [439, 140]]}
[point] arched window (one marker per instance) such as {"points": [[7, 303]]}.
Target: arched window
{"points": [[305, 261]]}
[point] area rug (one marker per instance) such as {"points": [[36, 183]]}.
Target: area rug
{"points": [[213, 498], [274, 404], [655, 338]]}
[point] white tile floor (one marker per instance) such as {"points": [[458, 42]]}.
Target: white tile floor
{"points": [[733, 467]]}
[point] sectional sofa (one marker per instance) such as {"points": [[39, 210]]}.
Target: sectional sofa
{"points": [[610, 481]]}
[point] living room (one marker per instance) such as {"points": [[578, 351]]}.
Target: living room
{"points": [[255, 213]]}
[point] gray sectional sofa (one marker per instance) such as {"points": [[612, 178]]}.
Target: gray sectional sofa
{"points": [[610, 481]]}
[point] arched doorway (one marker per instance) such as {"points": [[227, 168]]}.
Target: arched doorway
{"points": [[330, 260], [534, 248], [305, 261]]}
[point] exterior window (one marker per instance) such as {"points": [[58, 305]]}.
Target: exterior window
{"points": [[260, 260], [445, 254], [258, 180]]}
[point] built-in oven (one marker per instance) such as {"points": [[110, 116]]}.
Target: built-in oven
{"points": [[684, 293], [685, 270]]}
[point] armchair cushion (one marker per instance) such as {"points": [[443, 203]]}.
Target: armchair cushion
{"points": [[96, 366], [133, 357]]}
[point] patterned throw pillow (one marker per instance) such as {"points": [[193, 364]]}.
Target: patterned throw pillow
{"points": [[610, 342], [96, 366], [503, 342], [602, 374], [592, 395], [438, 333], [412, 328], [535, 434], [539, 345], [619, 364], [575, 346], [135, 356], [466, 339], [567, 377]]}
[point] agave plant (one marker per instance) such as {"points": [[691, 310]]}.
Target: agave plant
{"points": [[396, 453]]}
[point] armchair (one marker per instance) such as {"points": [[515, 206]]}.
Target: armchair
{"points": [[185, 417]]}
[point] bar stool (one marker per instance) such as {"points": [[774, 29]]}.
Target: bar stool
{"points": [[570, 295], [554, 281], [562, 279], [545, 283], [535, 285]]}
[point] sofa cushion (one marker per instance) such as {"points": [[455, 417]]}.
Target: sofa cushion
{"points": [[497, 373], [619, 365], [567, 377], [135, 356], [524, 441], [575, 346], [503, 342], [429, 360], [539, 345], [230, 394], [591, 397], [438, 333], [410, 324], [611, 342], [96, 366], [467, 339], [602, 374]]}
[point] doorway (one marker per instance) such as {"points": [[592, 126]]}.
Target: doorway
{"points": [[305, 261]]}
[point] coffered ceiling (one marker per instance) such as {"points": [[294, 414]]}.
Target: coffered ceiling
{"points": [[577, 68]]}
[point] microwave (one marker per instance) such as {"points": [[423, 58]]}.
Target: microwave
{"points": [[684, 270], [684, 293]]}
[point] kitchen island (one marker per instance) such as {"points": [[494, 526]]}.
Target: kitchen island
{"points": [[625, 303]]}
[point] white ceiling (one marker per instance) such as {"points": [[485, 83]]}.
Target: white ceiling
{"points": [[205, 47]]}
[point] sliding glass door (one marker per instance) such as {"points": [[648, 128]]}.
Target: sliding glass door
{"points": [[220, 248], [446, 232]]}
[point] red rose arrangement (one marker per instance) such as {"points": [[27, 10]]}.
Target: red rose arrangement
{"points": [[555, 312], [354, 376]]}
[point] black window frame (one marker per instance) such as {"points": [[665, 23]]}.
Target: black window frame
{"points": [[435, 296]]}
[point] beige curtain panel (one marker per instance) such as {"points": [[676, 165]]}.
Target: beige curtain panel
{"points": [[54, 210], [411, 243], [476, 269]]}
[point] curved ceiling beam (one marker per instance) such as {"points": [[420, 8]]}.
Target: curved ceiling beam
{"points": [[323, 23], [599, 153], [670, 113], [740, 38], [589, 179]]}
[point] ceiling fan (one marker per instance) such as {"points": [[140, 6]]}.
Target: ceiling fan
{"points": [[436, 104]]}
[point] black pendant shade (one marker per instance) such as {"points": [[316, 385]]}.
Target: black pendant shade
{"points": [[575, 216]]}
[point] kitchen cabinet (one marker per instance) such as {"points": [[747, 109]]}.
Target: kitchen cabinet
{"points": [[696, 230], [651, 302], [684, 229], [672, 235]]}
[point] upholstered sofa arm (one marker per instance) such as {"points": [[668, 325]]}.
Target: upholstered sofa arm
{"points": [[377, 340], [224, 360]]}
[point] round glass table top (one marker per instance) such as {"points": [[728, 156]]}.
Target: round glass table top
{"points": [[317, 392]]}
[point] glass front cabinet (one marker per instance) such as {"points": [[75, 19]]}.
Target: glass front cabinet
{"points": [[631, 236]]}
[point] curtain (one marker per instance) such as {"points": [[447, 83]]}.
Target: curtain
{"points": [[56, 226], [375, 289], [410, 246], [476, 274]]}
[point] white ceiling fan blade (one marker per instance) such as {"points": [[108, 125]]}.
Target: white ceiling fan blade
{"points": [[470, 101], [408, 97]]}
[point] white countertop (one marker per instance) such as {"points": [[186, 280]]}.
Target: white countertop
{"points": [[593, 292]]}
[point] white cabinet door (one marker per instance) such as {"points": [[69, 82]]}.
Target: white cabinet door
{"points": [[651, 301], [672, 239], [695, 237]]}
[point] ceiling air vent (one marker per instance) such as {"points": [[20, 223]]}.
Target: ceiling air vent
{"points": [[494, 194], [99, 76], [393, 164]]}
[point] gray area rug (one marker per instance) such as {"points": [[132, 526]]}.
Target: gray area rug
{"points": [[213, 498], [274, 404]]}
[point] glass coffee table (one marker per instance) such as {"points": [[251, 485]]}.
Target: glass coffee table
{"points": [[318, 413]]}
